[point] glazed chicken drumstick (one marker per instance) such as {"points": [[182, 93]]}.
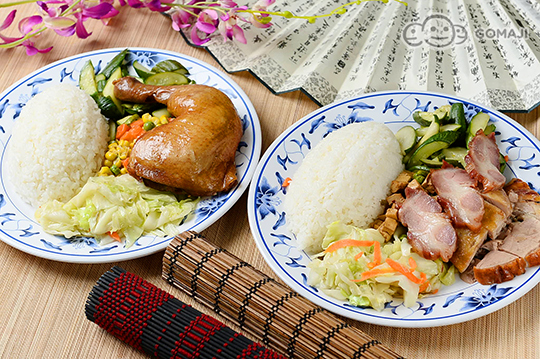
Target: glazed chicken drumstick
{"points": [[196, 151]]}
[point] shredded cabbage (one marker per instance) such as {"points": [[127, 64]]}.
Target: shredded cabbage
{"points": [[338, 273], [121, 205]]}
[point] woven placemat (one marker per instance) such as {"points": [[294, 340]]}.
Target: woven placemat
{"points": [[262, 307], [153, 321]]}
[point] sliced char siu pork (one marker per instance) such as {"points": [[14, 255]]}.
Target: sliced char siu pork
{"points": [[482, 162], [497, 267], [524, 240], [430, 232], [458, 196]]}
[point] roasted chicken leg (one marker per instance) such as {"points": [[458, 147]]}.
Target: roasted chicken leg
{"points": [[196, 151]]}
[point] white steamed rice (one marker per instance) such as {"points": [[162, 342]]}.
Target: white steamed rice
{"points": [[57, 143], [344, 177]]}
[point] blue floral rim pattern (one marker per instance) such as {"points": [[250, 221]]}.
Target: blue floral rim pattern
{"points": [[17, 224]]}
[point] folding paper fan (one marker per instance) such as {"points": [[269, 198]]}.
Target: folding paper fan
{"points": [[483, 50]]}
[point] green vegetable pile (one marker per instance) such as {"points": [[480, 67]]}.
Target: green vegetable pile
{"points": [[100, 86], [444, 134]]}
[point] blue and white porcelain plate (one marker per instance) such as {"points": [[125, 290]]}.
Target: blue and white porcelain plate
{"points": [[18, 226], [268, 221]]}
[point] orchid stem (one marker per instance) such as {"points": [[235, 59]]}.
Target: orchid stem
{"points": [[18, 3]]}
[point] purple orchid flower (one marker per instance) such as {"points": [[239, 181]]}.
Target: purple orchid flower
{"points": [[230, 30], [31, 50]]}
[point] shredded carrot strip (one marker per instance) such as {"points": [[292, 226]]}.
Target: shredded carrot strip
{"points": [[412, 263], [424, 284], [342, 243], [373, 273], [115, 236], [358, 256], [435, 291], [401, 269], [286, 182]]}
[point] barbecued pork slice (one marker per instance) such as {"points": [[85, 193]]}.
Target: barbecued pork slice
{"points": [[500, 199], [482, 162], [524, 240], [430, 232], [497, 267], [521, 191], [468, 241], [459, 197]]}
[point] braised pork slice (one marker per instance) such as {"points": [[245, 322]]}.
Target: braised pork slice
{"points": [[469, 241], [500, 199], [497, 267], [524, 240], [430, 232], [482, 162], [459, 197]]}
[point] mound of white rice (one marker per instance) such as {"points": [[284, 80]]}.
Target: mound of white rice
{"points": [[57, 143], [344, 177]]}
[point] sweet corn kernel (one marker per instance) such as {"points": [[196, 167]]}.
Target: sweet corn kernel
{"points": [[122, 156], [146, 117], [123, 170], [107, 163], [117, 163], [111, 155]]}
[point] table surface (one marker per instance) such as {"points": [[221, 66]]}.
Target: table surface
{"points": [[42, 301]]}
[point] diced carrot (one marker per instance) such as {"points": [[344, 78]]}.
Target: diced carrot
{"points": [[286, 182], [123, 128], [358, 256], [412, 263], [138, 123], [506, 158], [405, 271], [373, 273], [115, 236], [342, 243], [133, 133]]}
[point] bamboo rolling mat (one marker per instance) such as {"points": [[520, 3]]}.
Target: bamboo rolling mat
{"points": [[280, 318]]}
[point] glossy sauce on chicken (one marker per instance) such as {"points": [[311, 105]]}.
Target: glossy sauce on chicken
{"points": [[196, 151]]}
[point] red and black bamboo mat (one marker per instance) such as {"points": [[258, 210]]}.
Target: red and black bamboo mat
{"points": [[153, 321]]}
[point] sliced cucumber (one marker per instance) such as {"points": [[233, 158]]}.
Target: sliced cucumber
{"points": [[443, 113], [138, 108], [423, 118], [128, 120], [167, 79], [87, 78], [108, 90], [455, 155], [170, 66], [114, 63], [420, 168], [142, 71], [100, 81], [457, 116], [432, 130], [478, 122], [433, 144], [161, 112], [432, 162], [106, 105], [489, 129], [450, 127], [112, 130], [421, 131], [406, 137]]}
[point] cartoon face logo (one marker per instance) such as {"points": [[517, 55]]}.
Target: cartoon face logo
{"points": [[436, 31]]}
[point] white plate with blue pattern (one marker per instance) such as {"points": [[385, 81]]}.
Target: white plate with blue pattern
{"points": [[18, 226], [267, 218]]}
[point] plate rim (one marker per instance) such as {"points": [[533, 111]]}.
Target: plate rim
{"points": [[331, 305], [239, 189]]}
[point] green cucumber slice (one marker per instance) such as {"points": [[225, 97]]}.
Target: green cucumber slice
{"points": [[108, 90], [114, 63], [406, 137], [424, 118], [167, 79], [455, 155], [87, 78], [170, 66], [142, 71], [451, 127], [443, 113], [433, 144], [478, 122]]}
